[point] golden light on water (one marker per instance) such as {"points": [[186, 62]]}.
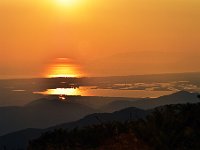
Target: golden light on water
{"points": [[63, 67], [63, 91]]}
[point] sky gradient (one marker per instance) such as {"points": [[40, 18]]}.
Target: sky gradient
{"points": [[105, 37]]}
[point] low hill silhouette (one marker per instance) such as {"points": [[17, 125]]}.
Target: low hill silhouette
{"points": [[40, 114], [20, 139], [176, 98], [170, 127], [45, 112]]}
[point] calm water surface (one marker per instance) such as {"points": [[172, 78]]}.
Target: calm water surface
{"points": [[92, 91]]}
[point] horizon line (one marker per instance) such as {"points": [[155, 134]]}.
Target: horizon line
{"points": [[109, 76]]}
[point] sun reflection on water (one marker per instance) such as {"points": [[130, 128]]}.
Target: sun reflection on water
{"points": [[62, 93]]}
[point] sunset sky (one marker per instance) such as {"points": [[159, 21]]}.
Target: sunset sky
{"points": [[104, 37]]}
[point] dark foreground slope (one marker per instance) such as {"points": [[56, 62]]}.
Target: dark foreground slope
{"points": [[44, 113], [40, 114], [20, 139], [171, 127]]}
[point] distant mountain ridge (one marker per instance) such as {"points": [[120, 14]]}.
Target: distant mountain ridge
{"points": [[20, 139], [43, 113], [40, 114], [149, 103]]}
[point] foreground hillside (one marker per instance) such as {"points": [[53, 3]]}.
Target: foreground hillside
{"points": [[46, 112], [20, 139], [171, 127]]}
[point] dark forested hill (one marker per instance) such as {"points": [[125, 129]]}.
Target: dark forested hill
{"points": [[46, 112], [176, 98], [43, 113], [171, 127], [20, 139]]}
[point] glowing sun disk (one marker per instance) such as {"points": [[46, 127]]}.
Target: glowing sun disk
{"points": [[63, 67], [62, 71], [66, 2]]}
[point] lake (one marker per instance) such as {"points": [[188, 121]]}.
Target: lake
{"points": [[93, 91]]}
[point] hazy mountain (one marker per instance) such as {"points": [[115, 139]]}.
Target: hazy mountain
{"points": [[169, 127], [43, 113], [20, 139], [176, 98], [40, 114], [130, 113]]}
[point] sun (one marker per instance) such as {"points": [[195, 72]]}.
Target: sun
{"points": [[66, 2], [63, 67]]}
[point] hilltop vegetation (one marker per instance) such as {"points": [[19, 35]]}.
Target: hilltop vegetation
{"points": [[171, 127]]}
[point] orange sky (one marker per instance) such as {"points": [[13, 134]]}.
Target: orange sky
{"points": [[107, 37]]}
